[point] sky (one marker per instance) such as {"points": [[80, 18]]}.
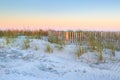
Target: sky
{"points": [[103, 15]]}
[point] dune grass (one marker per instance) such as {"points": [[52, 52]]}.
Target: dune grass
{"points": [[49, 49], [26, 43]]}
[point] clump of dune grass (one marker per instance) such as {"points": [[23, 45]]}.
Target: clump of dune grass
{"points": [[100, 55], [96, 46], [26, 44], [2, 45], [56, 40], [60, 47], [7, 40], [49, 49], [100, 50], [80, 51], [53, 39], [112, 47]]}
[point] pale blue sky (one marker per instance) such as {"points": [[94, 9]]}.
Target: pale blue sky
{"points": [[59, 6]]}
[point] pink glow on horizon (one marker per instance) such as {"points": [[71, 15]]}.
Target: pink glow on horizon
{"points": [[117, 28], [93, 24]]}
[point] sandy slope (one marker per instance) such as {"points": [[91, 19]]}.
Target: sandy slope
{"points": [[31, 64]]}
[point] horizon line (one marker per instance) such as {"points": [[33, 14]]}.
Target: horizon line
{"points": [[28, 29]]}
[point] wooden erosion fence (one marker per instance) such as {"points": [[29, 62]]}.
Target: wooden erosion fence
{"points": [[75, 37]]}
